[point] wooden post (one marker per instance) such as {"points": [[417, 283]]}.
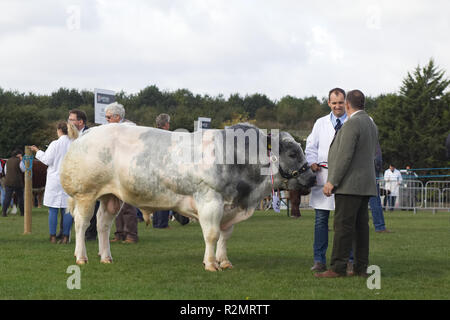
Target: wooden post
{"points": [[28, 193]]}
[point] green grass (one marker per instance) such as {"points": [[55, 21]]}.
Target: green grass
{"points": [[271, 254]]}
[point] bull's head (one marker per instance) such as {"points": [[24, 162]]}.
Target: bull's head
{"points": [[293, 165]]}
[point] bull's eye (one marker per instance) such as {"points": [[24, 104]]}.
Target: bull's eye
{"points": [[295, 173], [293, 155]]}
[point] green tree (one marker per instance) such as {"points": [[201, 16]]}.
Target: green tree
{"points": [[414, 124], [17, 126]]}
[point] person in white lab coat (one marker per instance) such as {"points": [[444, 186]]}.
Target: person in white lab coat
{"points": [[393, 179], [55, 198], [317, 146]]}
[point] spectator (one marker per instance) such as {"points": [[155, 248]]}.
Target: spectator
{"points": [[316, 151], [79, 119], [407, 192], [160, 219], [14, 181], [55, 198], [375, 201], [295, 198], [126, 220], [392, 179]]}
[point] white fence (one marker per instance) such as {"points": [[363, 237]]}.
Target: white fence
{"points": [[412, 195]]}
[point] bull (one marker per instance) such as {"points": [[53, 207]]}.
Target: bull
{"points": [[215, 176]]}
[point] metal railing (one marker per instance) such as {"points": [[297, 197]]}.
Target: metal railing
{"points": [[411, 195]]}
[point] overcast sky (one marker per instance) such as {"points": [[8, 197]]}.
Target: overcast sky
{"points": [[277, 48]]}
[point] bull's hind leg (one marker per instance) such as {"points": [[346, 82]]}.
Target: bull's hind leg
{"points": [[221, 252], [83, 212], [210, 211], [109, 207]]}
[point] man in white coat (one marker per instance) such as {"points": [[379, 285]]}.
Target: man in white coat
{"points": [[392, 179], [317, 146]]}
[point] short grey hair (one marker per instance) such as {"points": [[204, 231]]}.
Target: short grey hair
{"points": [[162, 119], [116, 109]]}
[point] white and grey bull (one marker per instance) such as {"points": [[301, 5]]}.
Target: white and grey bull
{"points": [[154, 169]]}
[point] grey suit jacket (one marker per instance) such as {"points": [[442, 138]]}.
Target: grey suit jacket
{"points": [[351, 168]]}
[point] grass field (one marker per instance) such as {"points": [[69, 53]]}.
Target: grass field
{"points": [[271, 254]]}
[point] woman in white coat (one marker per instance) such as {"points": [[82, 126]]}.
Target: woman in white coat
{"points": [[392, 179], [55, 197]]}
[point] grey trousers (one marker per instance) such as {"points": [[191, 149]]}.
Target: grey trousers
{"points": [[127, 223], [351, 229]]}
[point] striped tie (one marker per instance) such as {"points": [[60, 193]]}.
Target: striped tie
{"points": [[338, 126]]}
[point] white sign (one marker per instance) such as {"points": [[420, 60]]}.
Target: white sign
{"points": [[102, 98], [203, 123]]}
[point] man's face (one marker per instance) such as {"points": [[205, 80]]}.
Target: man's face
{"points": [[112, 118], [77, 123], [337, 104]]}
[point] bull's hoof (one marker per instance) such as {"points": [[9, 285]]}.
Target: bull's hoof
{"points": [[107, 260], [213, 267], [81, 262], [226, 265]]}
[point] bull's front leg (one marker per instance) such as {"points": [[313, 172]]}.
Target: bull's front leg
{"points": [[210, 212], [221, 252]]}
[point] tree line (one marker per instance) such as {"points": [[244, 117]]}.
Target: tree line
{"points": [[413, 123]]}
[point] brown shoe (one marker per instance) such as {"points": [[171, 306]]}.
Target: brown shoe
{"points": [[328, 274], [64, 240], [52, 239], [116, 239], [128, 240], [319, 267]]}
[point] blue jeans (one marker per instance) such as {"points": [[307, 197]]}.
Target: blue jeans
{"points": [[321, 235], [53, 221], [3, 195], [161, 219], [377, 211]]}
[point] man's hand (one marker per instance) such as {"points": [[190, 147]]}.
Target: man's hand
{"points": [[328, 189], [315, 167]]}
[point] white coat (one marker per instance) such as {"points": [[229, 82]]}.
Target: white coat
{"points": [[393, 181], [317, 147], [54, 195]]}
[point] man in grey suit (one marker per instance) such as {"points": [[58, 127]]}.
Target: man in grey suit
{"points": [[351, 177]]}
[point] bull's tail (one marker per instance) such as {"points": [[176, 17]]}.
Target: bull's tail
{"points": [[147, 217], [71, 206]]}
